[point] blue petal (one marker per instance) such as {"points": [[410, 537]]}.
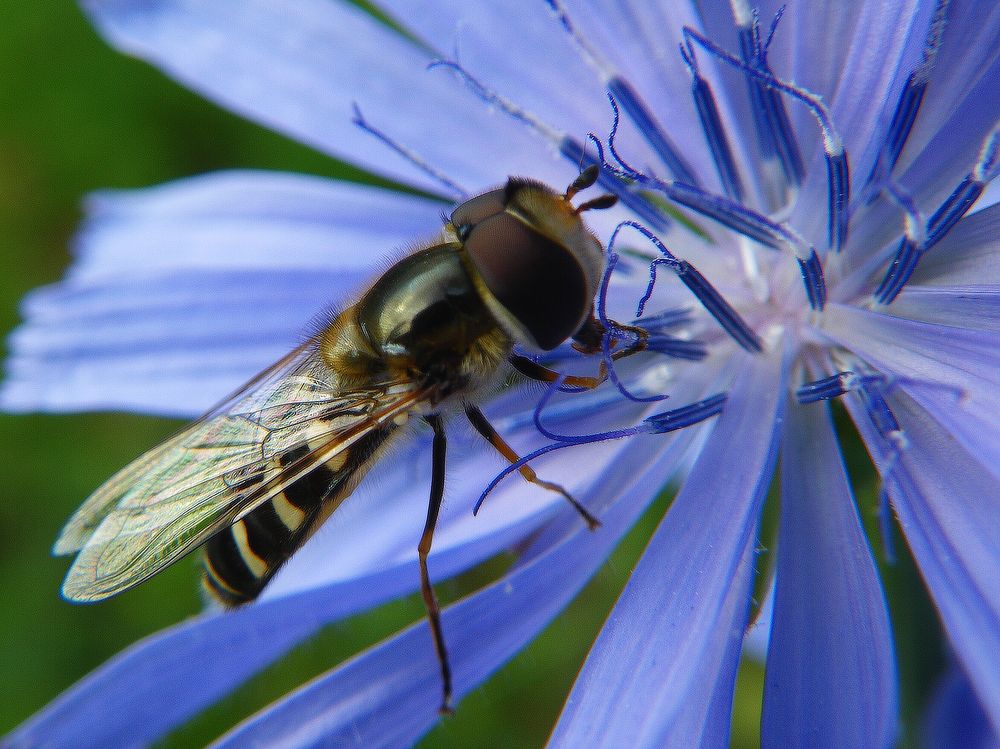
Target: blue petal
{"points": [[389, 696], [663, 669], [975, 307], [831, 677], [968, 255], [859, 73], [160, 682], [963, 79], [963, 363], [545, 75], [955, 718], [301, 68], [947, 505], [180, 293], [247, 219], [974, 429]]}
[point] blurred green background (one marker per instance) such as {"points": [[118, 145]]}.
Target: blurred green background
{"points": [[75, 116]]}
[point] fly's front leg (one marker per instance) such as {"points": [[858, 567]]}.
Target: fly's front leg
{"points": [[587, 340], [590, 337], [438, 452], [479, 421]]}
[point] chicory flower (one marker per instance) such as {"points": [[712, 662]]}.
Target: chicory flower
{"points": [[794, 226]]}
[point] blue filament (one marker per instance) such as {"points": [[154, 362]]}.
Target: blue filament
{"points": [[839, 185], [679, 418], [678, 348], [953, 209], [661, 423], [611, 329], [838, 191], [775, 136], [639, 113], [899, 272], [815, 283], [715, 133], [824, 389], [710, 298], [573, 150], [729, 213], [665, 320], [359, 120], [910, 99], [877, 407]]}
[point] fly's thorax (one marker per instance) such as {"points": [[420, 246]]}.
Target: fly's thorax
{"points": [[423, 319], [347, 352], [533, 260]]}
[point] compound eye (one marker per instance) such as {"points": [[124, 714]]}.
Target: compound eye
{"points": [[539, 282], [474, 210]]}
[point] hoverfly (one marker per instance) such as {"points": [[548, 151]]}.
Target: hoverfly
{"points": [[256, 476]]}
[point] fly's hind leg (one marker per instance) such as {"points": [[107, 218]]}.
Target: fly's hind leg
{"points": [[479, 421], [423, 549]]}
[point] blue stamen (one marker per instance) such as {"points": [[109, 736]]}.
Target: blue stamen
{"points": [[568, 146], [910, 99], [719, 308], [833, 146], [678, 348], [710, 298], [829, 387], [944, 219], [900, 269], [711, 125], [812, 277], [882, 418], [611, 329], [775, 136], [733, 215], [729, 213], [651, 130], [878, 410], [908, 252], [838, 191], [679, 418], [666, 320], [460, 192], [953, 209], [715, 135], [634, 106], [573, 150], [661, 423]]}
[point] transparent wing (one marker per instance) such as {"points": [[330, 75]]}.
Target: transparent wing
{"points": [[280, 426]]}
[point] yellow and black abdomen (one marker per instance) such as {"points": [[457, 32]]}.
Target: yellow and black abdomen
{"points": [[241, 559]]}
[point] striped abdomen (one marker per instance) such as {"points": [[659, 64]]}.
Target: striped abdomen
{"points": [[241, 559]]}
